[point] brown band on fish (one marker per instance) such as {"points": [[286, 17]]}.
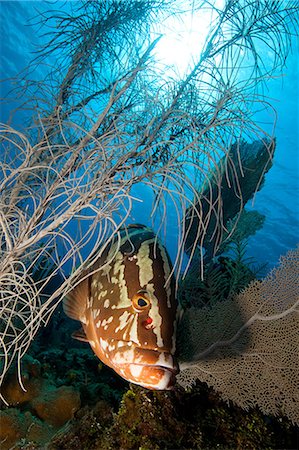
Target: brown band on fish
{"points": [[166, 295]]}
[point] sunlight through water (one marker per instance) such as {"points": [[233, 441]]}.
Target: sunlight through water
{"points": [[184, 36]]}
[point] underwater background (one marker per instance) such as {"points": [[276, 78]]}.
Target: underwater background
{"points": [[65, 379]]}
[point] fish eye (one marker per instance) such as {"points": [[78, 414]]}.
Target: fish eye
{"points": [[140, 302]]}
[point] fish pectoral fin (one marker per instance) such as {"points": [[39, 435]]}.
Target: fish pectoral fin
{"points": [[80, 335], [75, 302]]}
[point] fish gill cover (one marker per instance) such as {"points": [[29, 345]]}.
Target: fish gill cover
{"points": [[98, 134]]}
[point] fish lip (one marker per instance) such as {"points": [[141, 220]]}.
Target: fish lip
{"points": [[174, 370], [171, 371]]}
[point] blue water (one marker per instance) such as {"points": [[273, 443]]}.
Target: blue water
{"points": [[279, 198]]}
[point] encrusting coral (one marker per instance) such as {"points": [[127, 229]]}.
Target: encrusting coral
{"points": [[57, 406], [247, 347], [150, 420], [40, 409], [15, 394], [17, 429]]}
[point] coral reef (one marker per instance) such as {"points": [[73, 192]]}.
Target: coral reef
{"points": [[146, 419], [12, 428], [223, 278], [22, 429], [11, 390], [240, 228], [149, 420], [57, 383], [39, 416], [153, 420], [74, 402]]}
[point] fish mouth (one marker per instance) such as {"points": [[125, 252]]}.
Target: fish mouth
{"points": [[173, 369], [154, 377], [152, 368]]}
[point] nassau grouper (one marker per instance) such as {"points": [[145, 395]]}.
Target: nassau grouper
{"points": [[128, 309]]}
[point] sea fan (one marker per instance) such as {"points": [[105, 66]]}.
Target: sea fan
{"points": [[247, 347]]}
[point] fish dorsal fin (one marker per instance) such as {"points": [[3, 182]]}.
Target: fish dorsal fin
{"points": [[80, 335], [137, 225], [75, 302]]}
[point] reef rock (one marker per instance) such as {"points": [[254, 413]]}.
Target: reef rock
{"points": [[11, 390], [57, 406]]}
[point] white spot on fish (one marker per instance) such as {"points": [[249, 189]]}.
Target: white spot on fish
{"points": [[123, 321], [132, 334], [164, 381], [136, 370], [119, 274], [98, 324], [102, 294], [95, 313], [103, 343], [106, 303], [106, 322], [124, 357]]}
